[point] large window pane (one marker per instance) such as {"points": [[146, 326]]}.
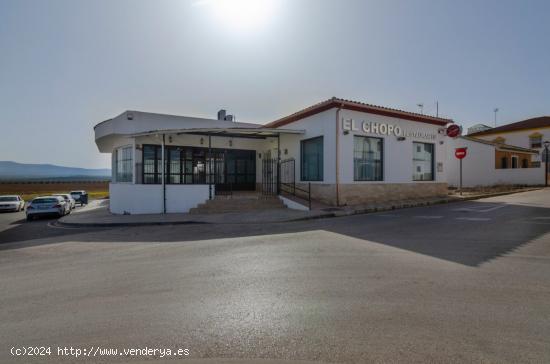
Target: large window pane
{"points": [[195, 165], [124, 165], [311, 151], [423, 162], [151, 162], [368, 159], [174, 157]]}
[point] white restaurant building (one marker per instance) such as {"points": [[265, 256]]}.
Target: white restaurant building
{"points": [[341, 152]]}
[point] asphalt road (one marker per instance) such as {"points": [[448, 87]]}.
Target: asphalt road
{"points": [[15, 228], [459, 282]]}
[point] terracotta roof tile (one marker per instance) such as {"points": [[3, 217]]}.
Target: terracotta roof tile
{"points": [[357, 106], [500, 145], [539, 122]]}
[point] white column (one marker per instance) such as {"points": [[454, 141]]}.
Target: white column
{"points": [[163, 177], [113, 166], [134, 160]]}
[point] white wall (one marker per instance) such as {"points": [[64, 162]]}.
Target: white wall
{"points": [[142, 122], [182, 198], [478, 168], [398, 166], [147, 199], [398, 155], [322, 124]]}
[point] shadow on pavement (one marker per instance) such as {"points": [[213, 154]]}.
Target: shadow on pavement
{"points": [[466, 233]]}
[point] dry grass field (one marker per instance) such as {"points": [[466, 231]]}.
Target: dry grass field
{"points": [[30, 190]]}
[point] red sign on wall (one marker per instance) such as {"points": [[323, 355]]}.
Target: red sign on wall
{"points": [[460, 153], [453, 131]]}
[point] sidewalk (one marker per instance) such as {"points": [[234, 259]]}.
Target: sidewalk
{"points": [[97, 214]]}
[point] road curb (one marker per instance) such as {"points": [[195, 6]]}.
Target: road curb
{"points": [[477, 197], [429, 203], [128, 224]]}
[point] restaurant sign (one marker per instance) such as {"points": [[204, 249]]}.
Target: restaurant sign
{"points": [[384, 129]]}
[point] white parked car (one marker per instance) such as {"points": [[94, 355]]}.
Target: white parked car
{"points": [[47, 205], [68, 198], [11, 203]]}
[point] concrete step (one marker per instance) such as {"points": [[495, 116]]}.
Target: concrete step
{"points": [[254, 196], [215, 203], [223, 205]]}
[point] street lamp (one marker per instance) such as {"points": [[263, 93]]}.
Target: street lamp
{"points": [[546, 145]]}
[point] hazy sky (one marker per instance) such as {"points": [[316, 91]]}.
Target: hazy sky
{"points": [[67, 65]]}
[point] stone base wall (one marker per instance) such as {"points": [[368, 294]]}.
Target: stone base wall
{"points": [[374, 193], [354, 194], [325, 193]]}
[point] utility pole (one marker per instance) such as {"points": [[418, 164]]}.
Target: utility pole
{"points": [[546, 144], [437, 109], [495, 111]]}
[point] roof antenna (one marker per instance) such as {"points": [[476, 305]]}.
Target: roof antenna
{"points": [[495, 111], [421, 107]]}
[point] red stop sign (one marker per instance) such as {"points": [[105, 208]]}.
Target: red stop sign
{"points": [[460, 153], [453, 131]]}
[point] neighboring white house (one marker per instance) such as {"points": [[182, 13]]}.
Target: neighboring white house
{"points": [[530, 133], [489, 163]]}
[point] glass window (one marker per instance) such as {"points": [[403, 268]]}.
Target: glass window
{"points": [[174, 158], [195, 165], [423, 161], [151, 162], [503, 162], [536, 141], [543, 156], [368, 159], [124, 164], [311, 152], [8, 199]]}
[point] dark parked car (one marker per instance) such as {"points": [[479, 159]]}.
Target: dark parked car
{"points": [[80, 197]]}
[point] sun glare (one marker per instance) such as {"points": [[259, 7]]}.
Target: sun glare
{"points": [[241, 14]]}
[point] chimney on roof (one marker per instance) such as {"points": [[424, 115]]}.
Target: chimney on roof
{"points": [[222, 115]]}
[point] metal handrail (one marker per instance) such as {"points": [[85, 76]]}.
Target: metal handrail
{"points": [[280, 176], [308, 191]]}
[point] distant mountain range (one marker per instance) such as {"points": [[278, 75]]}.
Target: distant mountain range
{"points": [[13, 170]]}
